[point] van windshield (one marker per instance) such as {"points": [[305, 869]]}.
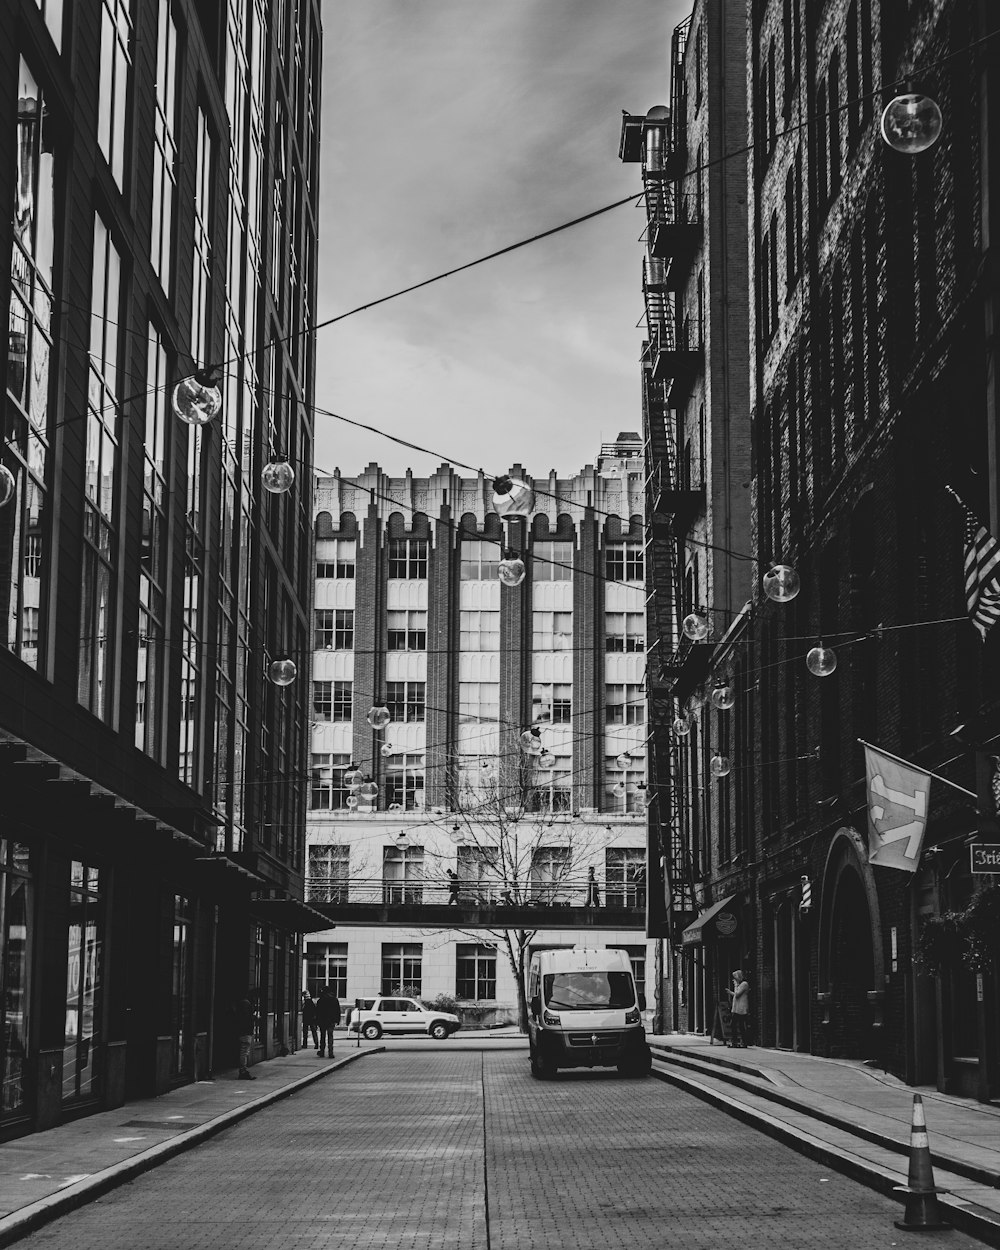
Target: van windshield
{"points": [[588, 991]]}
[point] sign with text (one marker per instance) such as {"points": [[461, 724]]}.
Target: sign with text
{"points": [[985, 856]]}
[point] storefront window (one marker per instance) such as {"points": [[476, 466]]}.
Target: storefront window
{"points": [[180, 1005], [83, 1042], [15, 962]]}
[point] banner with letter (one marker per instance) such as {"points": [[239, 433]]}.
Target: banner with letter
{"points": [[897, 811]]}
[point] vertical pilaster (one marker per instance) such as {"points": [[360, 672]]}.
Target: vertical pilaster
{"points": [[442, 648]]}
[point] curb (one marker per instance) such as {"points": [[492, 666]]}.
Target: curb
{"points": [[728, 1070], [978, 1222], [30, 1218]]}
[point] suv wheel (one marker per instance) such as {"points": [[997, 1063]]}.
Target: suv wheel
{"points": [[372, 1031], [438, 1030]]}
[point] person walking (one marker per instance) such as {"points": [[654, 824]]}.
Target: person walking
{"points": [[245, 1020], [327, 1017], [309, 1019], [593, 893], [454, 885], [739, 997]]}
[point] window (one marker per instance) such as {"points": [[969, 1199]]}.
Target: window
{"points": [[405, 700], [624, 705], [164, 144], [550, 867], [326, 964], [201, 259], [623, 563], [407, 631], [632, 800], [402, 874], [479, 631], [625, 876], [17, 933], [625, 631], [327, 790], [116, 61], [407, 557], [480, 560], [552, 631], [181, 997], [478, 702], [552, 561], [328, 874], [344, 553], [552, 788], [475, 972], [404, 782], [83, 1045], [402, 968], [551, 703], [637, 958], [477, 871], [333, 629], [332, 700]]}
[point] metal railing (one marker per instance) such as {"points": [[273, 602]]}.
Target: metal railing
{"points": [[435, 891]]}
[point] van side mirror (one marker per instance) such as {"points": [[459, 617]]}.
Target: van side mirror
{"points": [[642, 1002], [536, 1005]]}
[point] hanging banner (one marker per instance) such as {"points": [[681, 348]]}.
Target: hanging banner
{"points": [[897, 811]]}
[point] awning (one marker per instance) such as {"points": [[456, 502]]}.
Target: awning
{"points": [[290, 914], [694, 934]]}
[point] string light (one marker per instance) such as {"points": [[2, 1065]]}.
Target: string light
{"points": [[781, 583], [911, 123], [511, 570], [695, 627], [277, 477], [531, 741], [720, 766], [197, 399], [282, 672], [512, 497], [385, 750], [724, 697], [8, 485], [378, 716], [821, 661]]}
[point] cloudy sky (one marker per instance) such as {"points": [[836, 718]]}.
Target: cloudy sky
{"points": [[452, 128]]}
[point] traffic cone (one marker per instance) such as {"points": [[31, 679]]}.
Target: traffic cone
{"points": [[922, 1210]]}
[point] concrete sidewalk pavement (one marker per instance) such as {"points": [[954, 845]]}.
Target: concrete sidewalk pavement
{"points": [[851, 1116], [47, 1174]]}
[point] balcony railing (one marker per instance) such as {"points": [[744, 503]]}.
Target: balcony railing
{"points": [[573, 892], [675, 352]]}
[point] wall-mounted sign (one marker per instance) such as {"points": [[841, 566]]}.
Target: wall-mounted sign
{"points": [[985, 856], [725, 922]]}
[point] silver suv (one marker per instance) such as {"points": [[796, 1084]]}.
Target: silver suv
{"points": [[400, 1015]]}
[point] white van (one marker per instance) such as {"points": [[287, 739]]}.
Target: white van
{"points": [[583, 1012]]}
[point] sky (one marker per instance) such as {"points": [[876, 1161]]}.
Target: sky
{"points": [[452, 128]]}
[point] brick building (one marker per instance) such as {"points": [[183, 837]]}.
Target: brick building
{"points": [[695, 380], [410, 615], [151, 846]]}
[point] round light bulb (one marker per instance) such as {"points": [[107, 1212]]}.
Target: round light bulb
{"points": [[282, 672], [781, 583], [619, 790], [821, 661], [546, 760], [8, 484], [352, 800], [378, 716], [353, 777], [196, 402], [277, 477], [530, 742], [720, 766], [695, 627], [512, 497], [368, 790], [402, 841], [456, 834], [723, 697], [682, 726], [911, 123], [624, 761], [395, 807], [385, 750], [511, 570], [486, 767]]}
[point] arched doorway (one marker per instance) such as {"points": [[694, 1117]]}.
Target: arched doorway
{"points": [[850, 952]]}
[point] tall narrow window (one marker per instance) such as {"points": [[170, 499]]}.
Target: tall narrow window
{"points": [[329, 871], [164, 144], [116, 63], [83, 1042], [17, 929], [23, 523], [202, 253], [552, 561], [181, 1004], [152, 557]]}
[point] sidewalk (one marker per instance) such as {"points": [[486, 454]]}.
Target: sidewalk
{"points": [[853, 1117], [47, 1174]]}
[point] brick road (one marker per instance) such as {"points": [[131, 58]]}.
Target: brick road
{"points": [[437, 1148]]}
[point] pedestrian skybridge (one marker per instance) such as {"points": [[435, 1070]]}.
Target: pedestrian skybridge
{"points": [[437, 905]]}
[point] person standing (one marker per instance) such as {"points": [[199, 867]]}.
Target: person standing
{"points": [[593, 893], [739, 997], [454, 885], [245, 1020], [327, 1017], [309, 1019]]}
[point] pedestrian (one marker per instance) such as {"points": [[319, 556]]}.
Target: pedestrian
{"points": [[593, 893], [639, 881], [327, 1017], [309, 1019], [454, 885], [739, 1007], [245, 1020]]}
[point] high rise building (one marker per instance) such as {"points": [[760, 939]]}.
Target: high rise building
{"points": [[414, 632], [695, 394], [161, 163]]}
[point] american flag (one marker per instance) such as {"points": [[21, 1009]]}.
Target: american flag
{"points": [[982, 573]]}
